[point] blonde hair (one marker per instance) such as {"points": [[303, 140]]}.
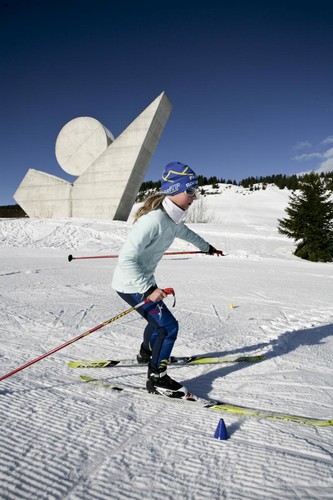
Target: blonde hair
{"points": [[151, 203]]}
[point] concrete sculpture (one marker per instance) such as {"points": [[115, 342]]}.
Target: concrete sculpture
{"points": [[110, 171]]}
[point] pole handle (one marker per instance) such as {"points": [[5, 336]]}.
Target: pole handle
{"points": [[170, 291]]}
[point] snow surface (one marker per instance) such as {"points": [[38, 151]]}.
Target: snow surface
{"points": [[63, 439]]}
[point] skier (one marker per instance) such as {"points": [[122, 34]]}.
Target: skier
{"points": [[157, 223]]}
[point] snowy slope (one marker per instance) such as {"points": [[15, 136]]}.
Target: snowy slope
{"points": [[62, 439]]}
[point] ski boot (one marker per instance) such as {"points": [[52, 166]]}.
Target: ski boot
{"points": [[144, 356], [160, 383]]}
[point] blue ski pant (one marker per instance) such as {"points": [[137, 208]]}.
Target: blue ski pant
{"points": [[161, 331]]}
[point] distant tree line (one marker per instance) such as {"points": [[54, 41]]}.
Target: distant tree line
{"points": [[214, 181], [291, 182], [281, 181], [12, 211]]}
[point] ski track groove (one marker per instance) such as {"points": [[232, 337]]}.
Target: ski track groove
{"points": [[61, 439], [104, 442]]}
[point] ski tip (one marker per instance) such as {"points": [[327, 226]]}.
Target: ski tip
{"points": [[86, 379]]}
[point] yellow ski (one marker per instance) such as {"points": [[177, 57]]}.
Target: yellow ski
{"points": [[174, 360], [221, 406]]}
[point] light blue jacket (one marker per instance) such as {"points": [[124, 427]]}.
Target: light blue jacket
{"points": [[149, 238]]}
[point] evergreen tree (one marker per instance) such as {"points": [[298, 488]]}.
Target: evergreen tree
{"points": [[310, 221]]}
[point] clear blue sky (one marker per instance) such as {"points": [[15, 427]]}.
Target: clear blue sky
{"points": [[251, 82]]}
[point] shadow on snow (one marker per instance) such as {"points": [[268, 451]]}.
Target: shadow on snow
{"points": [[284, 344]]}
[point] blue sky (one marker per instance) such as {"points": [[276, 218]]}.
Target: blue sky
{"points": [[251, 82]]}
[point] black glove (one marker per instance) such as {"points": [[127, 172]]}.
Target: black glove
{"points": [[212, 251]]}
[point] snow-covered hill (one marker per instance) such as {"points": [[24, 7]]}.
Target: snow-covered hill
{"points": [[63, 439]]}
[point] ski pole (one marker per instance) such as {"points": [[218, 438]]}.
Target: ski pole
{"points": [[168, 291], [70, 257]]}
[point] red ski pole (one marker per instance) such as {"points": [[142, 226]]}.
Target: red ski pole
{"points": [[70, 257], [184, 253], [168, 291]]}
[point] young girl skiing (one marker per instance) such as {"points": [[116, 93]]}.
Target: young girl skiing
{"points": [[157, 223]]}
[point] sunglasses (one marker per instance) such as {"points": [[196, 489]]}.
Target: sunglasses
{"points": [[191, 192]]}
